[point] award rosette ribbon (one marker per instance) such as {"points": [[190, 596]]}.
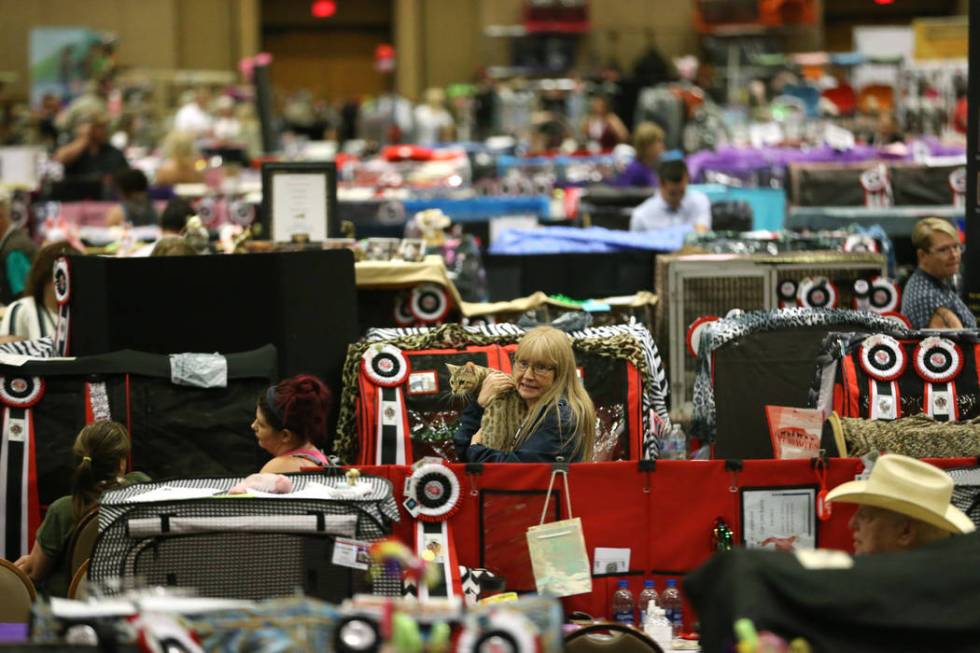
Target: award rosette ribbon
{"points": [[18, 472], [62, 294], [816, 292], [387, 368], [501, 631], [938, 361], [883, 360], [432, 497], [429, 303]]}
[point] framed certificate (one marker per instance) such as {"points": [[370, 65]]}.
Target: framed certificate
{"points": [[299, 201], [780, 518]]}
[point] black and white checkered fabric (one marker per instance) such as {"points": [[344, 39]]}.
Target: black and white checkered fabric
{"points": [[966, 492], [40, 348], [240, 547]]}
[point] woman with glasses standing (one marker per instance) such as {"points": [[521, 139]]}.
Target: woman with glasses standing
{"points": [[560, 422], [929, 299]]}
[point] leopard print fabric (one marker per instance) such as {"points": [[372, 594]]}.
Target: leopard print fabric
{"points": [[919, 436], [721, 332], [631, 341]]}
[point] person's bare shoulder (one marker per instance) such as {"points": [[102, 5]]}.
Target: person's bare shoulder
{"points": [[282, 465]]}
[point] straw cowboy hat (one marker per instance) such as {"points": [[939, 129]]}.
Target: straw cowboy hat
{"points": [[909, 487]]}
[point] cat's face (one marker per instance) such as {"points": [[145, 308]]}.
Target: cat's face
{"points": [[463, 379]]}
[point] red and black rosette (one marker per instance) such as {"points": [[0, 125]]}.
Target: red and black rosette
{"points": [[786, 292], [937, 360], [62, 280], [898, 318], [357, 634], [816, 292], [882, 357], [429, 303], [21, 391], [693, 338], [385, 365], [432, 493], [403, 312], [502, 631], [884, 295]]}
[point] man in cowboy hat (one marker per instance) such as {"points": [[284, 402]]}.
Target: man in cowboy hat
{"points": [[904, 504]]}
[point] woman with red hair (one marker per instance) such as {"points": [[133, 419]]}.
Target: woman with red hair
{"points": [[291, 423]]}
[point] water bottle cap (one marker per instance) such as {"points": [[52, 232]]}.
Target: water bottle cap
{"points": [[671, 582], [624, 583], [648, 583]]}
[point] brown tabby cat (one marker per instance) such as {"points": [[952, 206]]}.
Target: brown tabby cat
{"points": [[501, 418]]}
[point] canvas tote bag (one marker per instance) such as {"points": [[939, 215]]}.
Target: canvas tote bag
{"points": [[558, 557]]}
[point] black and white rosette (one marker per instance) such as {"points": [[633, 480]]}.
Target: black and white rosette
{"points": [[387, 369], [403, 312], [816, 292], [883, 359], [357, 633], [860, 243], [432, 497], [786, 292], [938, 361], [207, 211], [898, 318], [884, 296], [693, 338], [62, 294], [861, 290], [18, 472], [429, 303], [241, 212], [877, 187], [502, 631]]}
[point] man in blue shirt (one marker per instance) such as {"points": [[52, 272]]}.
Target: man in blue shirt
{"points": [[929, 299], [673, 205]]}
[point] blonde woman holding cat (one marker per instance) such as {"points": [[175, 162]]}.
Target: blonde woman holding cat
{"points": [[560, 421]]}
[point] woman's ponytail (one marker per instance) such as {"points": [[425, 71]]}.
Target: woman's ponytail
{"points": [[100, 446]]}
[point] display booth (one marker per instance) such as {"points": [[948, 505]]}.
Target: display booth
{"points": [[664, 514], [396, 405], [873, 184], [193, 534], [749, 361], [175, 429], [304, 303]]}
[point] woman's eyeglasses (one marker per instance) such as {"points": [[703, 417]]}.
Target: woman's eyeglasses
{"points": [[539, 369]]}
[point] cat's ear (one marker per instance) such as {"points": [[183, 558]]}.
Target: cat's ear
{"points": [[452, 368], [470, 365]]}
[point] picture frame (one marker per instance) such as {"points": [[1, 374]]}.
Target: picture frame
{"points": [[299, 201]]}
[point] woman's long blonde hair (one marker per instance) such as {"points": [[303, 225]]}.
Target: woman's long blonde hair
{"points": [[553, 347]]}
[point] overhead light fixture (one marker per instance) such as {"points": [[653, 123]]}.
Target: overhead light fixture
{"points": [[323, 8]]}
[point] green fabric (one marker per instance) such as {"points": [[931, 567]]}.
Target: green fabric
{"points": [[18, 265], [56, 530]]}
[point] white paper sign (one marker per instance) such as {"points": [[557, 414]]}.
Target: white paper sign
{"points": [[608, 560], [784, 520], [299, 206], [351, 553]]}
